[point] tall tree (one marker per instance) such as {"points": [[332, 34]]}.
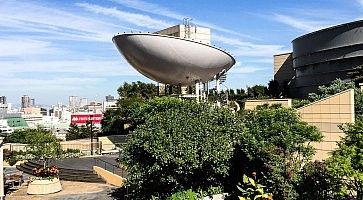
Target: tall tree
{"points": [[274, 89], [257, 91], [356, 75], [114, 121]]}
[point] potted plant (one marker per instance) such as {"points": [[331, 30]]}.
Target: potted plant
{"points": [[45, 181]]}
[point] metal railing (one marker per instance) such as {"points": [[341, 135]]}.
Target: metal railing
{"points": [[109, 167]]}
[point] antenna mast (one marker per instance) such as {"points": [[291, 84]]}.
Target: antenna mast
{"points": [[187, 25]]}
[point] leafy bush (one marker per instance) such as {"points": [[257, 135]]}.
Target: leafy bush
{"points": [[12, 157], [277, 145], [346, 162], [179, 145], [251, 190], [297, 103], [184, 195], [316, 182], [338, 86]]}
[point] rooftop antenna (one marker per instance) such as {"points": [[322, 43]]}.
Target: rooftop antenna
{"points": [[187, 25]]}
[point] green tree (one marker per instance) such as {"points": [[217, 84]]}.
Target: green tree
{"points": [[114, 121], [356, 75], [73, 132], [42, 143], [257, 91], [276, 147], [346, 162], [138, 90], [80, 132], [179, 145], [274, 89], [18, 136], [335, 87], [338, 86]]}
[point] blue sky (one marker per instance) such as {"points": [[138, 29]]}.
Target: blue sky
{"points": [[53, 49]]}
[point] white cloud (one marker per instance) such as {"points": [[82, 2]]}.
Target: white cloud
{"points": [[24, 17], [360, 2], [23, 47], [250, 49], [166, 12], [87, 68], [301, 24], [133, 18], [151, 8]]}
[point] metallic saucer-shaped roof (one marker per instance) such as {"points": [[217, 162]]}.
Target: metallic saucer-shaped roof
{"points": [[172, 60]]}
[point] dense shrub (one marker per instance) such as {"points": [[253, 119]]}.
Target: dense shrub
{"points": [[185, 195], [316, 182], [276, 147], [179, 145], [346, 162], [297, 103]]}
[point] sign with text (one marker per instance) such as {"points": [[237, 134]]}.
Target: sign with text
{"points": [[83, 118]]}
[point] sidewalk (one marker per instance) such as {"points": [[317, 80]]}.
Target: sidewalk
{"points": [[71, 191]]}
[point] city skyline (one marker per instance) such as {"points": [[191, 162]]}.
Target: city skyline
{"points": [[53, 50]]}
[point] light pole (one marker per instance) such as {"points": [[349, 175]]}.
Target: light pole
{"points": [[1, 171], [91, 119]]}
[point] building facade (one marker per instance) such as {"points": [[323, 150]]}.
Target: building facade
{"points": [[25, 101], [2, 99], [199, 34], [320, 57]]}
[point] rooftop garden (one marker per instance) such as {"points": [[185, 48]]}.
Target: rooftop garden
{"points": [[180, 149]]}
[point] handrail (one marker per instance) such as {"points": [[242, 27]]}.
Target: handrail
{"points": [[108, 163]]}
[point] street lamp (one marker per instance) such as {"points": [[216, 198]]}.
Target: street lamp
{"points": [[91, 120]]}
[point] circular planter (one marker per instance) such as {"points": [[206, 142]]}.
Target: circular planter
{"points": [[44, 186]]}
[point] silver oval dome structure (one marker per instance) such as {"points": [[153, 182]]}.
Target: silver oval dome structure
{"points": [[172, 60]]}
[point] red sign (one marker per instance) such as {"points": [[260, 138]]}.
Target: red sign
{"points": [[83, 118]]}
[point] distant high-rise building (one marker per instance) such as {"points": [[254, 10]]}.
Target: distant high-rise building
{"points": [[32, 102], [110, 98], [25, 101], [83, 102], [73, 103], [2, 99]]}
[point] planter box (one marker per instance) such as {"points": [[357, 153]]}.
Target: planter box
{"points": [[44, 186]]}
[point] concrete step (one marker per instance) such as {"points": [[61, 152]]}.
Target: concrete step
{"points": [[65, 174]]}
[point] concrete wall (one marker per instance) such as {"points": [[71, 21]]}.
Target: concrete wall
{"points": [[327, 114], [252, 104], [110, 178]]}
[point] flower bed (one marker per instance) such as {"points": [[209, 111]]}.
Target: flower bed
{"points": [[44, 186], [46, 181]]}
